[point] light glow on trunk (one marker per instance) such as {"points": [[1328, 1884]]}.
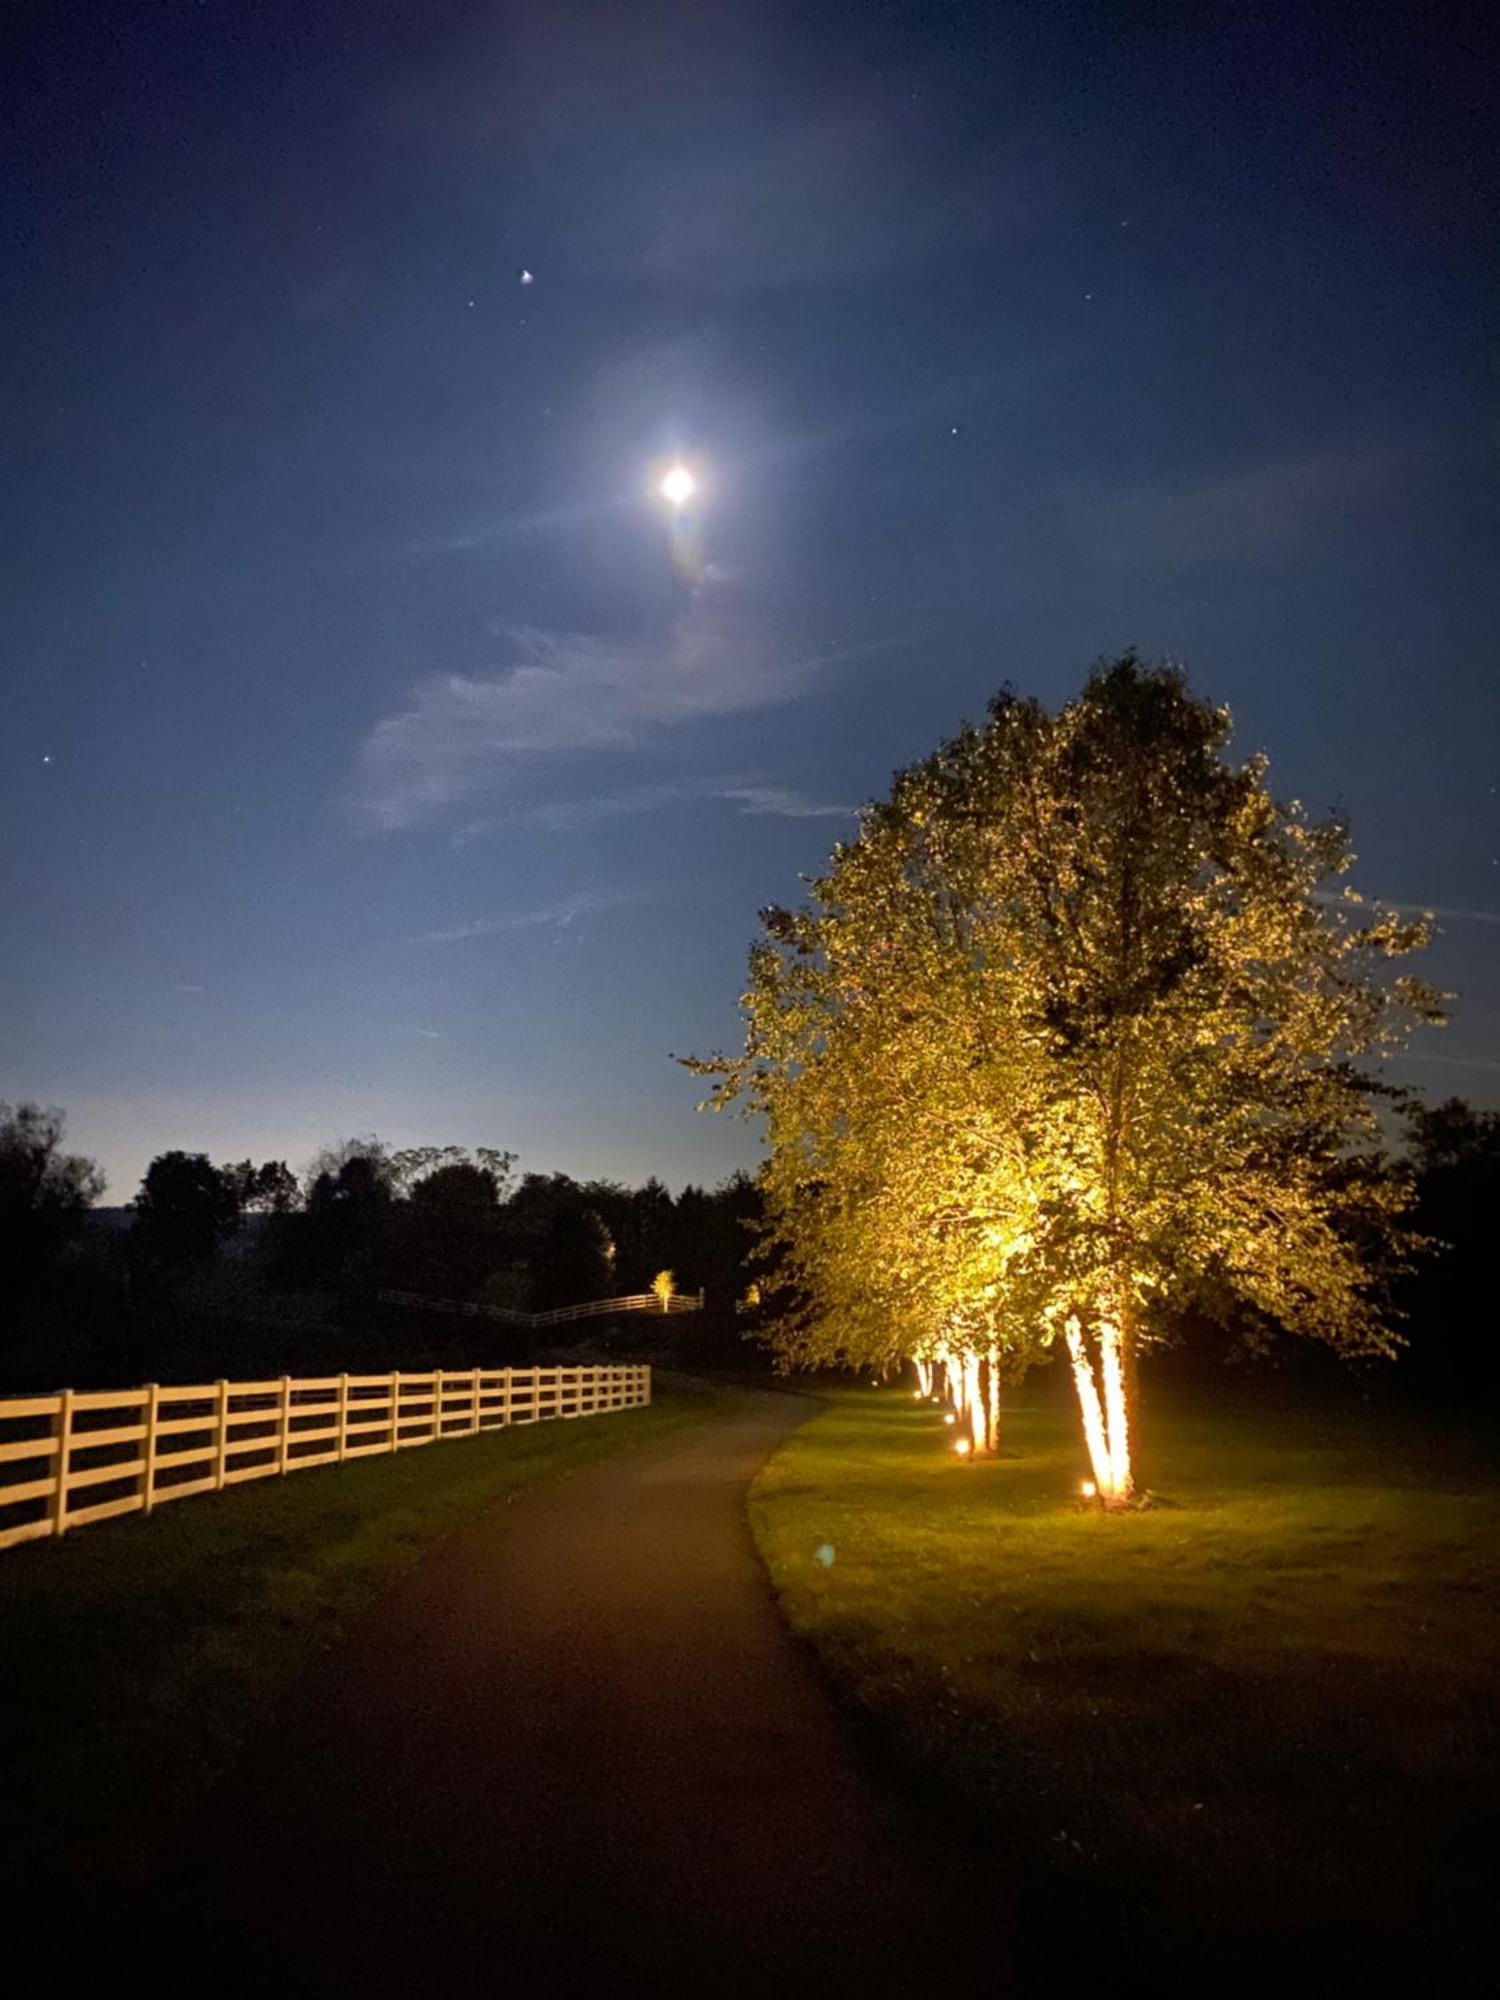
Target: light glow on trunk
{"points": [[1106, 1424]]}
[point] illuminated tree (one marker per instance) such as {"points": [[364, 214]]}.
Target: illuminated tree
{"points": [[1072, 1035]]}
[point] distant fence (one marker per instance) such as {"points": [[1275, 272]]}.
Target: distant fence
{"points": [[636, 1302], [77, 1457]]}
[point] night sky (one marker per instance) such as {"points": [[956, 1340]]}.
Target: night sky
{"points": [[378, 753]]}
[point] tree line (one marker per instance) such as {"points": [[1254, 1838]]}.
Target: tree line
{"points": [[447, 1222]]}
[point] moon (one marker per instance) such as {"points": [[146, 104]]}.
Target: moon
{"points": [[678, 486]]}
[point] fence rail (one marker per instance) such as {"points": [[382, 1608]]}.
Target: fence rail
{"points": [[636, 1302], [81, 1456]]}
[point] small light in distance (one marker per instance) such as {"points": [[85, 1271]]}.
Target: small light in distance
{"points": [[1088, 1489], [962, 1447], [678, 486], [949, 1417]]}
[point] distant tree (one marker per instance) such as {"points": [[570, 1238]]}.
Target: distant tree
{"points": [[419, 1163], [378, 1163], [571, 1260], [642, 1228], [448, 1237], [240, 1176], [276, 1189], [268, 1189], [185, 1208], [346, 1217], [45, 1193], [713, 1238]]}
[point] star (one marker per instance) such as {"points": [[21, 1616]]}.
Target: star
{"points": [[46, 760], [527, 277]]}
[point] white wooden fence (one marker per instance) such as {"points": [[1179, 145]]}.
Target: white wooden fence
{"points": [[81, 1456], [634, 1302]]}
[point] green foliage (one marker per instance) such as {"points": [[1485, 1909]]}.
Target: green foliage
{"points": [[1078, 1023]]}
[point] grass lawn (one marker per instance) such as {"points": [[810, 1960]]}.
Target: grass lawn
{"points": [[134, 1657], [1249, 1734]]}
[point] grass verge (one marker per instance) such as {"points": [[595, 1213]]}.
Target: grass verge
{"points": [[136, 1656], [1249, 1733]]}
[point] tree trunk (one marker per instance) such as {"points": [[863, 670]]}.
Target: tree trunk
{"points": [[1104, 1403]]}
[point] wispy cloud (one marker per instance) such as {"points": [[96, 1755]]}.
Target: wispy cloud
{"points": [[752, 797], [1250, 513], [1448, 1062], [573, 692], [559, 916], [1448, 913]]}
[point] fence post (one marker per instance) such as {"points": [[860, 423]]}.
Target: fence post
{"points": [[437, 1402], [505, 1399], [395, 1407], [64, 1421], [341, 1443], [148, 1448], [646, 1387], [474, 1426], [284, 1427], [221, 1459]]}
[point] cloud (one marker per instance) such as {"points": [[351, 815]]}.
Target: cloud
{"points": [[1444, 912], [559, 916], [575, 692], [779, 802], [1447, 913], [1253, 513], [754, 797]]}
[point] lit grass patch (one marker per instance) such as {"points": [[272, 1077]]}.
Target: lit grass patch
{"points": [[1260, 1716], [135, 1657]]}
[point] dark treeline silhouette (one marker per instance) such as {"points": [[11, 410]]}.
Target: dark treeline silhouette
{"points": [[244, 1267], [1449, 1298]]}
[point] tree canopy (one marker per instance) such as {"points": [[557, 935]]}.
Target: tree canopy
{"points": [[1076, 1033]]}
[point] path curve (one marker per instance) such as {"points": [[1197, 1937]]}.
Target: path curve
{"points": [[575, 1751]]}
